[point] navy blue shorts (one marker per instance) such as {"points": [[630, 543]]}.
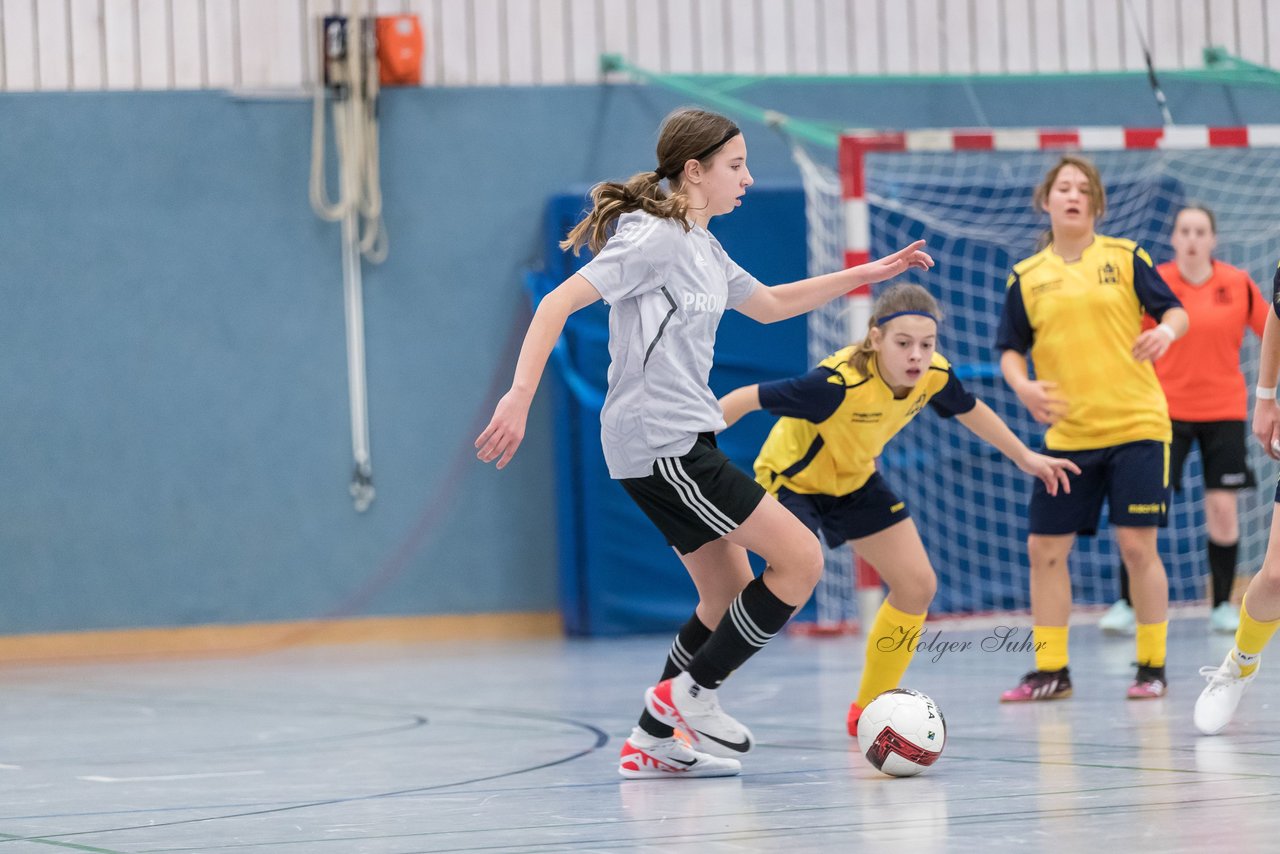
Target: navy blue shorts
{"points": [[867, 510], [1133, 478]]}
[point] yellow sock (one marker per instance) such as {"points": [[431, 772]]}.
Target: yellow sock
{"points": [[891, 643], [1152, 639], [1251, 638], [1051, 647]]}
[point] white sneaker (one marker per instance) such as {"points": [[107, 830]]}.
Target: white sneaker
{"points": [[687, 706], [1119, 620], [647, 758], [1218, 701], [1224, 619]]}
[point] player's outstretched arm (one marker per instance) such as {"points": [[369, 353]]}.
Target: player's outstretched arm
{"points": [[739, 402], [768, 305], [506, 428], [1266, 414], [990, 428]]}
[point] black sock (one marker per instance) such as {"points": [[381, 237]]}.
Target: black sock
{"points": [[1124, 584], [689, 640], [754, 617], [1222, 566]]}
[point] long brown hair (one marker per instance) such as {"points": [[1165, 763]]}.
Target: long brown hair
{"points": [[687, 134], [894, 299], [1097, 191]]}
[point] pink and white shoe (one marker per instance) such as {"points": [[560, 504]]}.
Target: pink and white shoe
{"points": [[1040, 685], [645, 757], [1149, 684], [685, 705]]}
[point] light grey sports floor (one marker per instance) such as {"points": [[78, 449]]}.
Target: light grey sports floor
{"points": [[513, 747]]}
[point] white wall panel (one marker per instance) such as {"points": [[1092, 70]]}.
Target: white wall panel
{"points": [[154, 61], [1075, 20], [120, 44], [54, 49], [987, 30], [711, 30], [644, 24], [1222, 22], [222, 52], [88, 69], [457, 49], [1190, 18], [485, 34], [581, 28], [274, 44], [21, 46], [1107, 27], [1273, 33], [1253, 30], [1045, 36], [898, 47], [519, 29], [957, 45], [187, 27], [776, 47], [1017, 37], [680, 44], [865, 21], [1131, 37], [806, 38]]}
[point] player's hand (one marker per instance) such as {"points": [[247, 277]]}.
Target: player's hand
{"points": [[1151, 345], [1052, 471], [1041, 399], [892, 265], [1266, 426], [506, 429]]}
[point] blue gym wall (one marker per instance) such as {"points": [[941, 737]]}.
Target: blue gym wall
{"points": [[176, 444]]}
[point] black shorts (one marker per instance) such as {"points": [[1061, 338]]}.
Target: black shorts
{"points": [[696, 498], [867, 510], [1222, 452], [1133, 478]]}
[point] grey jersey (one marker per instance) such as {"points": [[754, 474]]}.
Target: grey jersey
{"points": [[666, 289]]}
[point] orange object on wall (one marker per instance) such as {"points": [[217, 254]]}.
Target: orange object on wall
{"points": [[399, 50]]}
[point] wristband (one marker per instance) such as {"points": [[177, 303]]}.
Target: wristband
{"points": [[1265, 393], [1168, 331]]}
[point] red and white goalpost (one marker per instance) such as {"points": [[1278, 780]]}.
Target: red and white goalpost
{"points": [[968, 192]]}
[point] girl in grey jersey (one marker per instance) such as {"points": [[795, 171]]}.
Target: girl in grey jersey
{"points": [[668, 281]]}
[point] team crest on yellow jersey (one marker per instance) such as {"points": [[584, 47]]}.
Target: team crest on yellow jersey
{"points": [[918, 405], [1108, 274]]}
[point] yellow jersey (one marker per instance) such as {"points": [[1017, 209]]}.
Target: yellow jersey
{"points": [[836, 421], [1079, 320]]}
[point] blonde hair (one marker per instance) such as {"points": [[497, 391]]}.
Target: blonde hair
{"points": [[687, 134], [1097, 190], [895, 299]]}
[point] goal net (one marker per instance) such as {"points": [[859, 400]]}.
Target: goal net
{"points": [[968, 193]]}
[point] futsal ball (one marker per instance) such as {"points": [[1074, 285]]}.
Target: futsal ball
{"points": [[901, 732]]}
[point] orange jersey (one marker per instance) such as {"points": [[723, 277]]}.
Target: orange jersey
{"points": [[1201, 371]]}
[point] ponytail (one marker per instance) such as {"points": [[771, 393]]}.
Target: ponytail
{"points": [[687, 134], [611, 199]]}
